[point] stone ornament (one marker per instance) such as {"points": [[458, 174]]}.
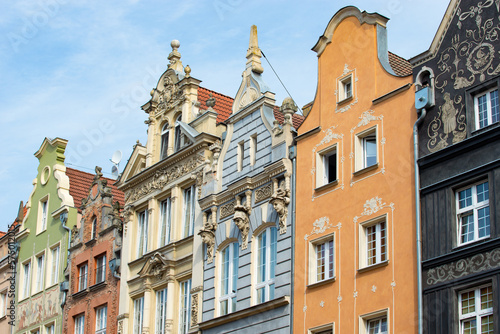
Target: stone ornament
{"points": [[280, 200], [194, 310], [449, 120], [207, 233], [241, 217]]}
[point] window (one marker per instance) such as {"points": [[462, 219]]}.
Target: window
{"points": [[3, 303], [253, 149], [323, 262], [377, 326], [373, 244], [26, 279], [366, 149], [164, 142], [44, 208], [228, 278], [100, 269], [180, 138], [323, 329], [101, 314], [185, 306], [165, 211], [473, 213], [54, 265], [240, 154], [189, 201], [82, 277], [50, 329], [486, 108], [80, 324], [476, 310], [326, 167], [94, 228], [40, 268], [345, 88], [142, 242], [138, 315], [266, 264], [161, 311]]}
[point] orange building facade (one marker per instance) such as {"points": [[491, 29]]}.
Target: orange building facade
{"points": [[355, 268]]}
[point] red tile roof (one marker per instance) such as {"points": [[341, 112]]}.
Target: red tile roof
{"points": [[79, 186], [296, 118], [400, 66], [223, 104]]}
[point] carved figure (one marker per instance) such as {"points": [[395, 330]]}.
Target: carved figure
{"points": [[74, 234], [241, 218], [207, 234], [448, 115], [280, 200]]}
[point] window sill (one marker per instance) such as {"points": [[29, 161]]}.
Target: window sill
{"points": [[465, 244], [328, 185], [347, 99], [80, 293], [374, 266], [365, 170], [90, 242], [485, 129], [98, 286], [320, 283], [247, 312]]}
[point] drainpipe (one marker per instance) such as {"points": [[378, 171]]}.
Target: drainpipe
{"points": [[64, 218], [417, 218], [293, 156]]}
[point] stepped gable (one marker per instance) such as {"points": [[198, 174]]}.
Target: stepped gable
{"points": [[400, 66], [80, 182], [223, 104]]}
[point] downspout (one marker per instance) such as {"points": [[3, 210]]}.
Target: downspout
{"points": [[64, 218], [422, 112], [294, 170]]}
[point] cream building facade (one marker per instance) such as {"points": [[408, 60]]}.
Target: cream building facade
{"points": [[162, 261]]}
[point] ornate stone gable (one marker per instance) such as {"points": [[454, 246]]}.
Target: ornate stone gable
{"points": [[468, 56]]}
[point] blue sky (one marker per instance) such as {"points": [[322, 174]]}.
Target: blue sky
{"points": [[81, 70]]}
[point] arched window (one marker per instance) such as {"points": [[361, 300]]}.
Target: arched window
{"points": [[266, 264], [228, 278], [178, 142], [164, 142]]}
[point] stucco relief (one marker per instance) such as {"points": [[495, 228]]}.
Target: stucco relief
{"points": [[227, 209], [320, 225], [170, 96], [162, 177], [463, 267], [194, 310], [207, 233], [373, 205], [280, 200], [345, 73], [241, 217], [450, 120], [263, 193]]}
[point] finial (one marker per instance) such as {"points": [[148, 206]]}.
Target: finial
{"points": [[211, 101], [175, 57], [253, 53], [187, 70]]}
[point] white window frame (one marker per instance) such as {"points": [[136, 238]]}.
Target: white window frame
{"points": [[323, 329], [188, 211], [93, 233], [50, 328], [101, 319], [253, 149], [40, 272], [43, 214], [3, 303], [80, 324], [361, 148], [138, 315], [142, 232], [345, 88], [240, 155], [381, 242], [165, 132], [329, 257], [83, 276], [478, 313], [366, 321], [490, 118], [161, 311], [184, 306], [26, 279], [266, 258], [322, 166], [228, 278], [472, 210], [54, 262], [165, 221], [100, 268]]}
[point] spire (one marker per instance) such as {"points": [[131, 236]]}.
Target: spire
{"points": [[253, 53], [175, 56]]}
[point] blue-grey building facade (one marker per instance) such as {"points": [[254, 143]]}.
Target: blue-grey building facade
{"points": [[247, 213]]}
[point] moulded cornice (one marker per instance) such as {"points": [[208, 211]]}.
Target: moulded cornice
{"points": [[58, 142], [265, 99], [363, 17], [438, 38], [138, 153]]}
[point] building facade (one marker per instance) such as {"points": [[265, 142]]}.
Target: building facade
{"points": [[162, 260], [94, 282], [247, 211], [457, 82], [355, 268], [43, 239]]}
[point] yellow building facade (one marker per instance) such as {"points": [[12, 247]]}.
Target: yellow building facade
{"points": [[355, 268]]}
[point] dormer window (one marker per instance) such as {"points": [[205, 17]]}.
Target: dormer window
{"points": [[164, 142]]}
